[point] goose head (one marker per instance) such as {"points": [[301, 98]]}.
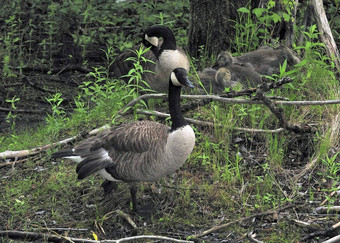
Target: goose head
{"points": [[224, 59], [179, 77], [151, 39], [222, 77]]}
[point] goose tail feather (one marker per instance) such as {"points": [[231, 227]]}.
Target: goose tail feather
{"points": [[63, 153]]}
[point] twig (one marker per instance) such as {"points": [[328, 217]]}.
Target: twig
{"points": [[218, 227], [333, 240], [125, 110], [12, 162], [22, 153], [325, 233], [208, 124], [22, 111], [251, 237], [323, 210], [266, 86], [127, 218], [61, 229], [56, 238], [332, 194], [46, 69]]}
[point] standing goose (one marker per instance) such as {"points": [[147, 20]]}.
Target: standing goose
{"points": [[138, 151], [164, 54]]}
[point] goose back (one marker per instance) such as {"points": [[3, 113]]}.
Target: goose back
{"points": [[267, 60]]}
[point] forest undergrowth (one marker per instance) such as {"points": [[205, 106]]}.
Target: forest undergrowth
{"points": [[269, 183]]}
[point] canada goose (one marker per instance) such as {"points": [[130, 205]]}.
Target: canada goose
{"points": [[164, 54], [267, 60], [242, 73], [214, 81], [138, 151], [223, 78]]}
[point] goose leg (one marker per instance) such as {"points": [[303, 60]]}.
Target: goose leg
{"points": [[133, 191], [144, 211], [108, 186]]}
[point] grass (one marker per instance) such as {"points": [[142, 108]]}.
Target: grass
{"points": [[229, 175]]}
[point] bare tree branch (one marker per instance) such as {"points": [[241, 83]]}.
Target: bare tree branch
{"points": [[13, 234], [218, 227], [325, 233], [208, 124], [22, 111], [125, 110]]}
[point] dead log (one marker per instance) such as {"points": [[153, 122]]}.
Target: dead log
{"points": [[326, 33]]}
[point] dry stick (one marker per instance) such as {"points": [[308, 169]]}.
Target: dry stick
{"points": [[127, 218], [207, 124], [22, 153], [21, 111], [12, 162], [218, 227], [125, 111], [251, 237], [333, 240], [326, 210], [332, 194], [56, 238], [325, 233], [61, 229]]}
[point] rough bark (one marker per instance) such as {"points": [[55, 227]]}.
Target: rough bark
{"points": [[326, 33], [211, 25]]}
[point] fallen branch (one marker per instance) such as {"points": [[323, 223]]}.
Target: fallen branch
{"points": [[326, 210], [22, 153], [333, 240], [251, 237], [27, 152], [218, 227], [46, 69], [207, 124], [127, 218], [12, 162], [22, 111], [332, 194], [125, 109], [13, 234], [325, 233], [278, 112], [61, 229]]}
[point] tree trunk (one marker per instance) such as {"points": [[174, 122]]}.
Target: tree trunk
{"points": [[326, 33], [211, 25]]}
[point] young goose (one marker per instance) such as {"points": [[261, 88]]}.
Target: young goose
{"points": [[242, 73], [138, 151], [267, 60], [164, 54], [214, 81]]}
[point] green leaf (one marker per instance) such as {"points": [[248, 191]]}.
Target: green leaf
{"points": [[258, 12], [275, 17], [243, 10]]}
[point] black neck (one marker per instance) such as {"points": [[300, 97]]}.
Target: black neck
{"points": [[169, 40], [175, 107]]}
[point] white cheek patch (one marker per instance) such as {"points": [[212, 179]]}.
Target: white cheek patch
{"points": [[152, 40], [174, 80]]}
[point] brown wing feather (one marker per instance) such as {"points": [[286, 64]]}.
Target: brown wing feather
{"points": [[136, 137]]}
